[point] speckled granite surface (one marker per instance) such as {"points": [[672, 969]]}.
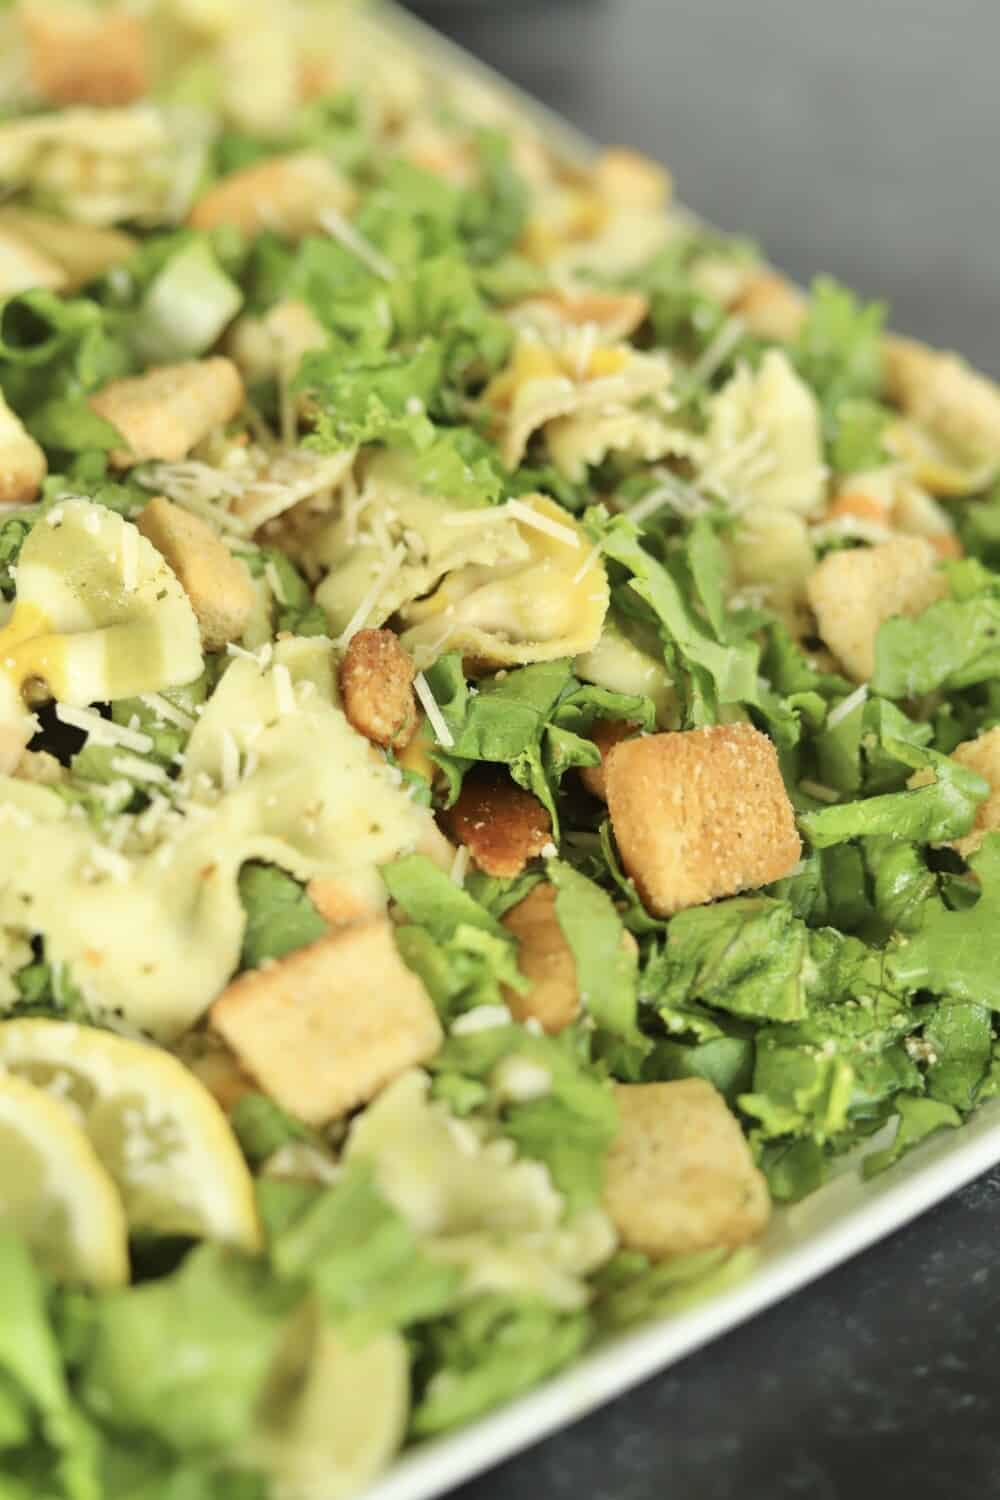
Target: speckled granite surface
{"points": [[862, 139]]}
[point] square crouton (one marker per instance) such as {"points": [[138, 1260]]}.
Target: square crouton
{"points": [[326, 1028], [943, 393], [679, 1176], [84, 54], [217, 583], [165, 412], [628, 177], [852, 593], [546, 959], [982, 755], [700, 814], [289, 194]]}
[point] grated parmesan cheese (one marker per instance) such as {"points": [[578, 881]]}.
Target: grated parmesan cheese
{"points": [[459, 865], [166, 710], [435, 717], [388, 570], [284, 692], [846, 706], [103, 731], [136, 769], [352, 239]]}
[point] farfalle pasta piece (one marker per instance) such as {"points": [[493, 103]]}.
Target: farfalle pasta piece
{"points": [[393, 541], [99, 615], [473, 1202], [549, 604], [764, 443], [22, 462], [274, 772], [99, 166], [542, 384]]}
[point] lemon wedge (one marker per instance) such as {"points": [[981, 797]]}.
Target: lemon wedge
{"points": [[157, 1130], [332, 1414], [54, 1191]]}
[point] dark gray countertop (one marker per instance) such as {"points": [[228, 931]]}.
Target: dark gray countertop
{"points": [[861, 139]]}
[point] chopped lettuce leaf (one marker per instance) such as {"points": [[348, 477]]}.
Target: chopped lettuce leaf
{"points": [[838, 351], [280, 916], [569, 1128], [606, 961], [357, 1254], [952, 644], [943, 808], [952, 952], [486, 1353], [919, 1117], [631, 1289], [745, 956], [262, 1127], [184, 1358]]}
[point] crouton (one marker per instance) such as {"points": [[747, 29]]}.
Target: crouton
{"points": [[502, 825], [84, 54], [771, 307], [941, 392], [632, 179], [23, 267], [324, 1029], [22, 462], [262, 347], [165, 412], [616, 314], [605, 734], [336, 902], [217, 583], [852, 593], [289, 194], [78, 252], [217, 1069], [700, 814], [376, 688], [544, 957], [679, 1176], [982, 755]]}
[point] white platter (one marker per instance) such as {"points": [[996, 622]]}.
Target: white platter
{"points": [[803, 1243]]}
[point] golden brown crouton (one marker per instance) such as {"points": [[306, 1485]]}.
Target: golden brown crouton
{"points": [[217, 583], [616, 314], [326, 1028], [165, 412], [22, 462], [501, 824], [214, 1065], [679, 1176], [853, 592], [605, 734], [376, 686], [263, 347], [336, 902], [23, 267], [285, 193], [944, 394], [84, 54], [79, 252], [544, 957], [700, 814], [771, 306], [631, 178], [982, 755]]}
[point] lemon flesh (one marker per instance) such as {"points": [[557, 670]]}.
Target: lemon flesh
{"points": [[55, 1193], [157, 1130]]}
